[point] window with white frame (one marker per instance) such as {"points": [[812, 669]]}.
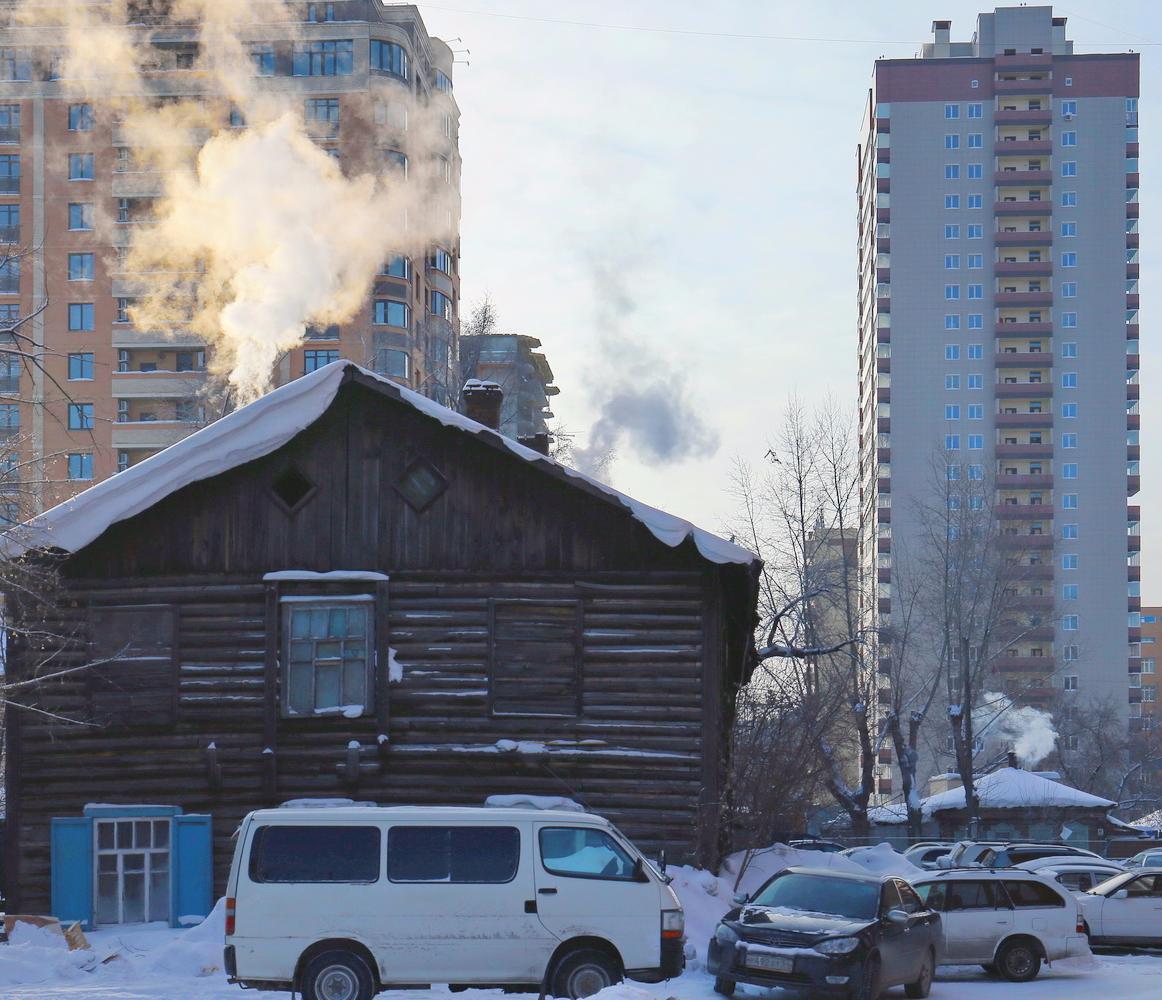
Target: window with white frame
{"points": [[327, 655], [975, 201], [1069, 683], [133, 870]]}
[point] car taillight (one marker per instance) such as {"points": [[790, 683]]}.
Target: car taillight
{"points": [[229, 915], [1080, 923], [673, 923]]}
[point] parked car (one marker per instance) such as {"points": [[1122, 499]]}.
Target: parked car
{"points": [[813, 844], [1008, 855], [836, 934], [966, 852], [341, 903], [1076, 874], [1146, 859], [1120, 848], [927, 855], [1006, 921], [1126, 909]]}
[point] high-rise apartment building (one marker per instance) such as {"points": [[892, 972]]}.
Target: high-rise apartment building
{"points": [[998, 329], [525, 378], [374, 90], [1144, 685]]}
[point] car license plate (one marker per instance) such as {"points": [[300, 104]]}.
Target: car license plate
{"points": [[772, 963]]}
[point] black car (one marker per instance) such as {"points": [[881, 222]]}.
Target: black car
{"points": [[831, 933]]}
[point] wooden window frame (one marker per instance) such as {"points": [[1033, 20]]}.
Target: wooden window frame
{"points": [[578, 652], [287, 603]]}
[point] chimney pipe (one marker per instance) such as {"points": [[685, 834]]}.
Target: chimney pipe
{"points": [[1012, 758], [482, 402]]}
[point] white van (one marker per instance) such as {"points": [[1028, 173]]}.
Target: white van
{"points": [[341, 903]]}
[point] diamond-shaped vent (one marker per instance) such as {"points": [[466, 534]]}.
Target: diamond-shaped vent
{"points": [[421, 485], [293, 488]]}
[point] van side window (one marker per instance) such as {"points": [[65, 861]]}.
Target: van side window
{"points": [[581, 852], [315, 854], [463, 854]]}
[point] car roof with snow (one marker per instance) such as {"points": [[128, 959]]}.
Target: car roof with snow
{"points": [[869, 876], [320, 815]]}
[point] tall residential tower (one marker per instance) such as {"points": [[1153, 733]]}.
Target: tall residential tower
{"points": [[998, 328]]}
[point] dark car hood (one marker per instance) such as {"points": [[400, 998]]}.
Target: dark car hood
{"points": [[798, 922]]}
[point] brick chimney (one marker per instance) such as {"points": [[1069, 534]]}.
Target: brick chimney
{"points": [[1012, 759], [482, 402]]}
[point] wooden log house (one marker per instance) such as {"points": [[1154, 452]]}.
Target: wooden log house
{"points": [[346, 590]]}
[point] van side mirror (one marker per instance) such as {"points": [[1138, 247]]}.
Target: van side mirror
{"points": [[662, 862]]}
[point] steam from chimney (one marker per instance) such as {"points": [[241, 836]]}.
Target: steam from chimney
{"points": [[1028, 729], [259, 232]]}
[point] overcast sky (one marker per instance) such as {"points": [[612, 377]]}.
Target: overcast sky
{"points": [[675, 209]]}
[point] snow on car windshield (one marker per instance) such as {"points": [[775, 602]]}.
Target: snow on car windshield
{"points": [[821, 894]]}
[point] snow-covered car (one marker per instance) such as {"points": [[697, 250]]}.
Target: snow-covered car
{"points": [[813, 844], [1076, 874], [833, 933], [965, 853], [1146, 859], [927, 856], [1007, 921], [1126, 909]]}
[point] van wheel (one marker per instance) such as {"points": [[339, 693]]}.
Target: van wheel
{"points": [[584, 972], [337, 975], [1018, 960], [724, 986]]}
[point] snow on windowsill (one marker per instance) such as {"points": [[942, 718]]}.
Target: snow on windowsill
{"points": [[335, 575]]}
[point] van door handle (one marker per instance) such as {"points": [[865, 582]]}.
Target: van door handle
{"points": [[547, 892]]}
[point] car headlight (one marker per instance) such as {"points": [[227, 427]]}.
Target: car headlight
{"points": [[838, 946], [725, 935]]}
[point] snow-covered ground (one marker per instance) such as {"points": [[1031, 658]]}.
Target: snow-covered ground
{"points": [[157, 963]]}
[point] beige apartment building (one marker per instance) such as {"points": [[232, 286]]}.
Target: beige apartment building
{"points": [[72, 194]]}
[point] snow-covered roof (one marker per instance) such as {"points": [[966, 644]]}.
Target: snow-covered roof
{"points": [[1014, 788], [266, 425], [1151, 821]]}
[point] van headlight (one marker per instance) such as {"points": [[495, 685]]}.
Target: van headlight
{"points": [[673, 923], [838, 946]]}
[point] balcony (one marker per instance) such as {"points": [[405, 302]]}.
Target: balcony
{"points": [[1023, 207], [157, 385], [1026, 541], [154, 434], [1024, 512], [1019, 481], [1133, 485], [1031, 87], [1026, 116], [1024, 664], [1023, 359], [1024, 268], [1024, 298], [1024, 420], [1023, 61], [1022, 178], [1021, 147], [1017, 329], [1026, 239], [1031, 390], [1024, 450], [1030, 602], [1037, 695]]}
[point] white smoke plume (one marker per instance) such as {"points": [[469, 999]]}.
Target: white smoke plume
{"points": [[258, 232], [1028, 730]]}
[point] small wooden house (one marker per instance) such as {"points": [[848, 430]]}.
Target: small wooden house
{"points": [[346, 590]]}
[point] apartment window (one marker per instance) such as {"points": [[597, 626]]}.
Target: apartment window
{"points": [[951, 110], [1068, 138], [952, 472], [10, 285], [1069, 380], [976, 291], [1070, 683], [123, 305], [976, 472], [237, 118], [976, 111], [393, 363], [387, 57], [80, 367], [951, 261], [1069, 259], [326, 652], [323, 58], [1148, 665], [952, 142], [80, 416], [1069, 623], [975, 201], [80, 166], [440, 305], [398, 267], [389, 313], [1069, 349], [317, 12], [80, 267], [1069, 561], [976, 411], [951, 322], [80, 465], [1069, 592], [975, 442], [951, 411], [975, 261], [975, 140], [323, 115], [1069, 289], [975, 381], [313, 360], [1069, 168], [1068, 108], [952, 201], [951, 381], [9, 122], [1069, 501], [1069, 410], [952, 171], [80, 316], [1069, 531], [80, 118], [80, 216], [1068, 321], [952, 232], [976, 231], [975, 321], [1069, 229], [396, 160], [951, 352], [975, 352], [262, 57], [952, 442], [441, 260], [189, 361], [1069, 470], [1069, 440], [952, 291], [443, 81]]}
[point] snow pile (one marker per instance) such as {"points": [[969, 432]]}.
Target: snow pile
{"points": [[883, 859], [196, 952], [533, 802]]}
